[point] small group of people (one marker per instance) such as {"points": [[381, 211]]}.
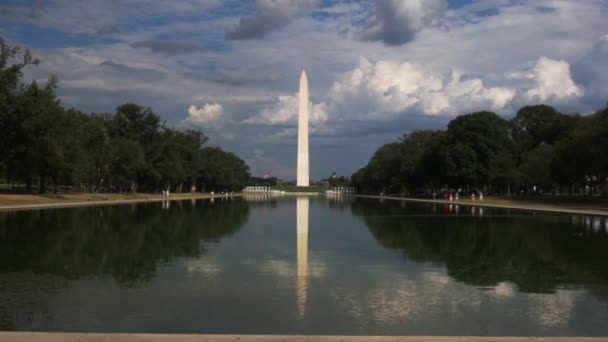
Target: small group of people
{"points": [[166, 193], [455, 196], [479, 195]]}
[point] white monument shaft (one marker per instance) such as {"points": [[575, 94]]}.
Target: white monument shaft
{"points": [[303, 168]]}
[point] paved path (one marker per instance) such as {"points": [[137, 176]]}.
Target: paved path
{"points": [[528, 207], [69, 204], [79, 337]]}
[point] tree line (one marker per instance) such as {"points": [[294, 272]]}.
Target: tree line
{"points": [[46, 145], [540, 150]]}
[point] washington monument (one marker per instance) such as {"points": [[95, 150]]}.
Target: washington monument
{"points": [[303, 168]]}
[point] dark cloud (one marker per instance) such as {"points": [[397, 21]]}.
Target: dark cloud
{"points": [[236, 77], [240, 77], [35, 9], [108, 30], [396, 22], [142, 74], [270, 15], [168, 48], [5, 11], [546, 9], [591, 71]]}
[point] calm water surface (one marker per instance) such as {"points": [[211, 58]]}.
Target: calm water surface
{"points": [[303, 266]]}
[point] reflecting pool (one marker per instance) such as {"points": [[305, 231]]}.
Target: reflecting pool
{"points": [[305, 265]]}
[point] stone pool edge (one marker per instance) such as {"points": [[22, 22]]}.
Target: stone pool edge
{"points": [[118, 337], [501, 206]]}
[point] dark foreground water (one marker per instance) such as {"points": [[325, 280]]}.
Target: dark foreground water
{"points": [[303, 266]]}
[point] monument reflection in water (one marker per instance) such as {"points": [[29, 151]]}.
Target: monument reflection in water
{"points": [[302, 205]]}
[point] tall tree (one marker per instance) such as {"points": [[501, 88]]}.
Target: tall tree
{"points": [[536, 125], [141, 125], [420, 166], [39, 139], [486, 144], [222, 171], [13, 60]]}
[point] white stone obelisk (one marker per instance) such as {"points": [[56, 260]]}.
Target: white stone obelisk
{"points": [[303, 168]]}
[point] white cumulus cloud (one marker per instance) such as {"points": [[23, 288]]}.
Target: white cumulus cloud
{"points": [[387, 88], [208, 114], [553, 81], [285, 112]]}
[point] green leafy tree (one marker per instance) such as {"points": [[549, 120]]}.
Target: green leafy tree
{"points": [[127, 162], [539, 147], [222, 171], [180, 160], [489, 149], [13, 60], [417, 166], [142, 126], [39, 146], [534, 167], [383, 172], [537, 125], [581, 156], [461, 163]]}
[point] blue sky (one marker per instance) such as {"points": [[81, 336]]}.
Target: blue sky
{"points": [[377, 68]]}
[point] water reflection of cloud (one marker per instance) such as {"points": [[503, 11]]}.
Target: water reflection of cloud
{"points": [[437, 279], [279, 268], [552, 310], [416, 299], [396, 298], [503, 290], [203, 266], [317, 268], [394, 304]]}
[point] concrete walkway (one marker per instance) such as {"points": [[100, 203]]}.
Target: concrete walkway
{"points": [[503, 206], [78, 337], [70, 204]]}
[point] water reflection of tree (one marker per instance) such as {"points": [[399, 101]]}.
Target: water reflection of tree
{"points": [[536, 254], [125, 242]]}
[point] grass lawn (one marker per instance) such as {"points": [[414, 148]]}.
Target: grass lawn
{"points": [[571, 202], [24, 199], [291, 188], [552, 202]]}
